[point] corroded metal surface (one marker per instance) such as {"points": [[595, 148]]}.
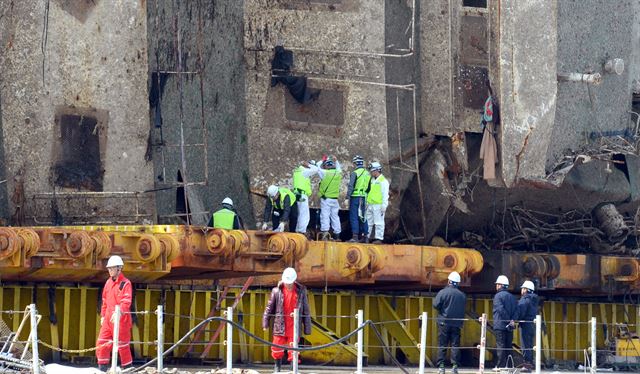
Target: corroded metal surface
{"points": [[163, 253]]}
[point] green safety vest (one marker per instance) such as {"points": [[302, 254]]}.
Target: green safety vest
{"points": [[330, 184], [223, 219], [375, 193], [362, 182], [283, 193], [301, 184]]}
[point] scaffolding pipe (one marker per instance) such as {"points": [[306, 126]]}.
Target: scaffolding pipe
{"points": [[296, 337], [423, 342], [116, 332], [538, 346], [360, 343], [483, 342], [160, 349], [229, 341], [34, 340], [593, 345]]}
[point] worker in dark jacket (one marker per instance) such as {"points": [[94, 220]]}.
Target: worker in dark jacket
{"points": [[450, 303], [226, 217], [280, 208], [527, 310], [505, 314], [286, 297]]}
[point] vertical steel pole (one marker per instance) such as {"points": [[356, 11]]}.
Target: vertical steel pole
{"points": [[160, 348], [229, 341], [360, 343], [116, 332], [423, 342], [34, 339], [538, 343], [593, 345], [296, 336], [483, 342]]}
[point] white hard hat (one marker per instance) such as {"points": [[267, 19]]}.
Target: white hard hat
{"points": [[375, 166], [228, 201], [312, 162], [502, 279], [114, 261], [528, 285], [289, 276], [272, 191], [454, 277]]}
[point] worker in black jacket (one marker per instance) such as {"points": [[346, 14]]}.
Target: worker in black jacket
{"points": [[505, 314], [450, 303], [527, 310]]}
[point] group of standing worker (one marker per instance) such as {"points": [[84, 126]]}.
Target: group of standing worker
{"points": [[290, 295], [367, 192], [450, 303]]}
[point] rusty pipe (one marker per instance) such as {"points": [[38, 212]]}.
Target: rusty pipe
{"points": [[9, 242], [29, 241], [147, 248]]}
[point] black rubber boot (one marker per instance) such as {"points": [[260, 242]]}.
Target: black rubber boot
{"points": [[104, 368], [278, 366]]}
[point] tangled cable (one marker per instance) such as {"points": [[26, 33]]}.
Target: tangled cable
{"points": [[263, 341]]}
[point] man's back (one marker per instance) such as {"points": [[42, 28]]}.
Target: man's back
{"points": [[505, 309], [450, 303]]}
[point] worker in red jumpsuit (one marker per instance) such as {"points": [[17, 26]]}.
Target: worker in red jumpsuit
{"points": [[117, 291], [286, 297]]}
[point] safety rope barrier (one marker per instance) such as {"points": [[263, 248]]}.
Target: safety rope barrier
{"points": [[271, 344], [65, 350], [362, 324]]}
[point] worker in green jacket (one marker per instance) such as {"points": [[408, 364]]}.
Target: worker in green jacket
{"points": [[280, 208], [227, 217]]}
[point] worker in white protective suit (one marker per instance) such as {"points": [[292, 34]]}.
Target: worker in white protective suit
{"points": [[302, 189], [377, 202], [330, 180]]}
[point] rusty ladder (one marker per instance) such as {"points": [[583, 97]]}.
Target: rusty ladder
{"points": [[212, 313]]}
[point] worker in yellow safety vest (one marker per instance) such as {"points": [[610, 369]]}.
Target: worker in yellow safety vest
{"points": [[226, 217], [377, 202], [302, 189], [329, 190], [357, 193], [280, 208]]}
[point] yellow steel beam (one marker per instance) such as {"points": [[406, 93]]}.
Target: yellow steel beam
{"points": [[82, 332], [16, 306], [67, 315], [146, 321], [341, 354], [399, 331]]}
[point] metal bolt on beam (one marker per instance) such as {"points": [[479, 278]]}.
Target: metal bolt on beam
{"points": [[594, 79]]}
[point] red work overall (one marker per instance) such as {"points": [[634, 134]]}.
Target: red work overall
{"points": [[290, 301], [116, 292]]}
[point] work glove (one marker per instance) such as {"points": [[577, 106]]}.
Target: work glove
{"points": [[346, 202], [264, 226], [277, 214], [101, 320], [113, 318], [280, 227]]}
